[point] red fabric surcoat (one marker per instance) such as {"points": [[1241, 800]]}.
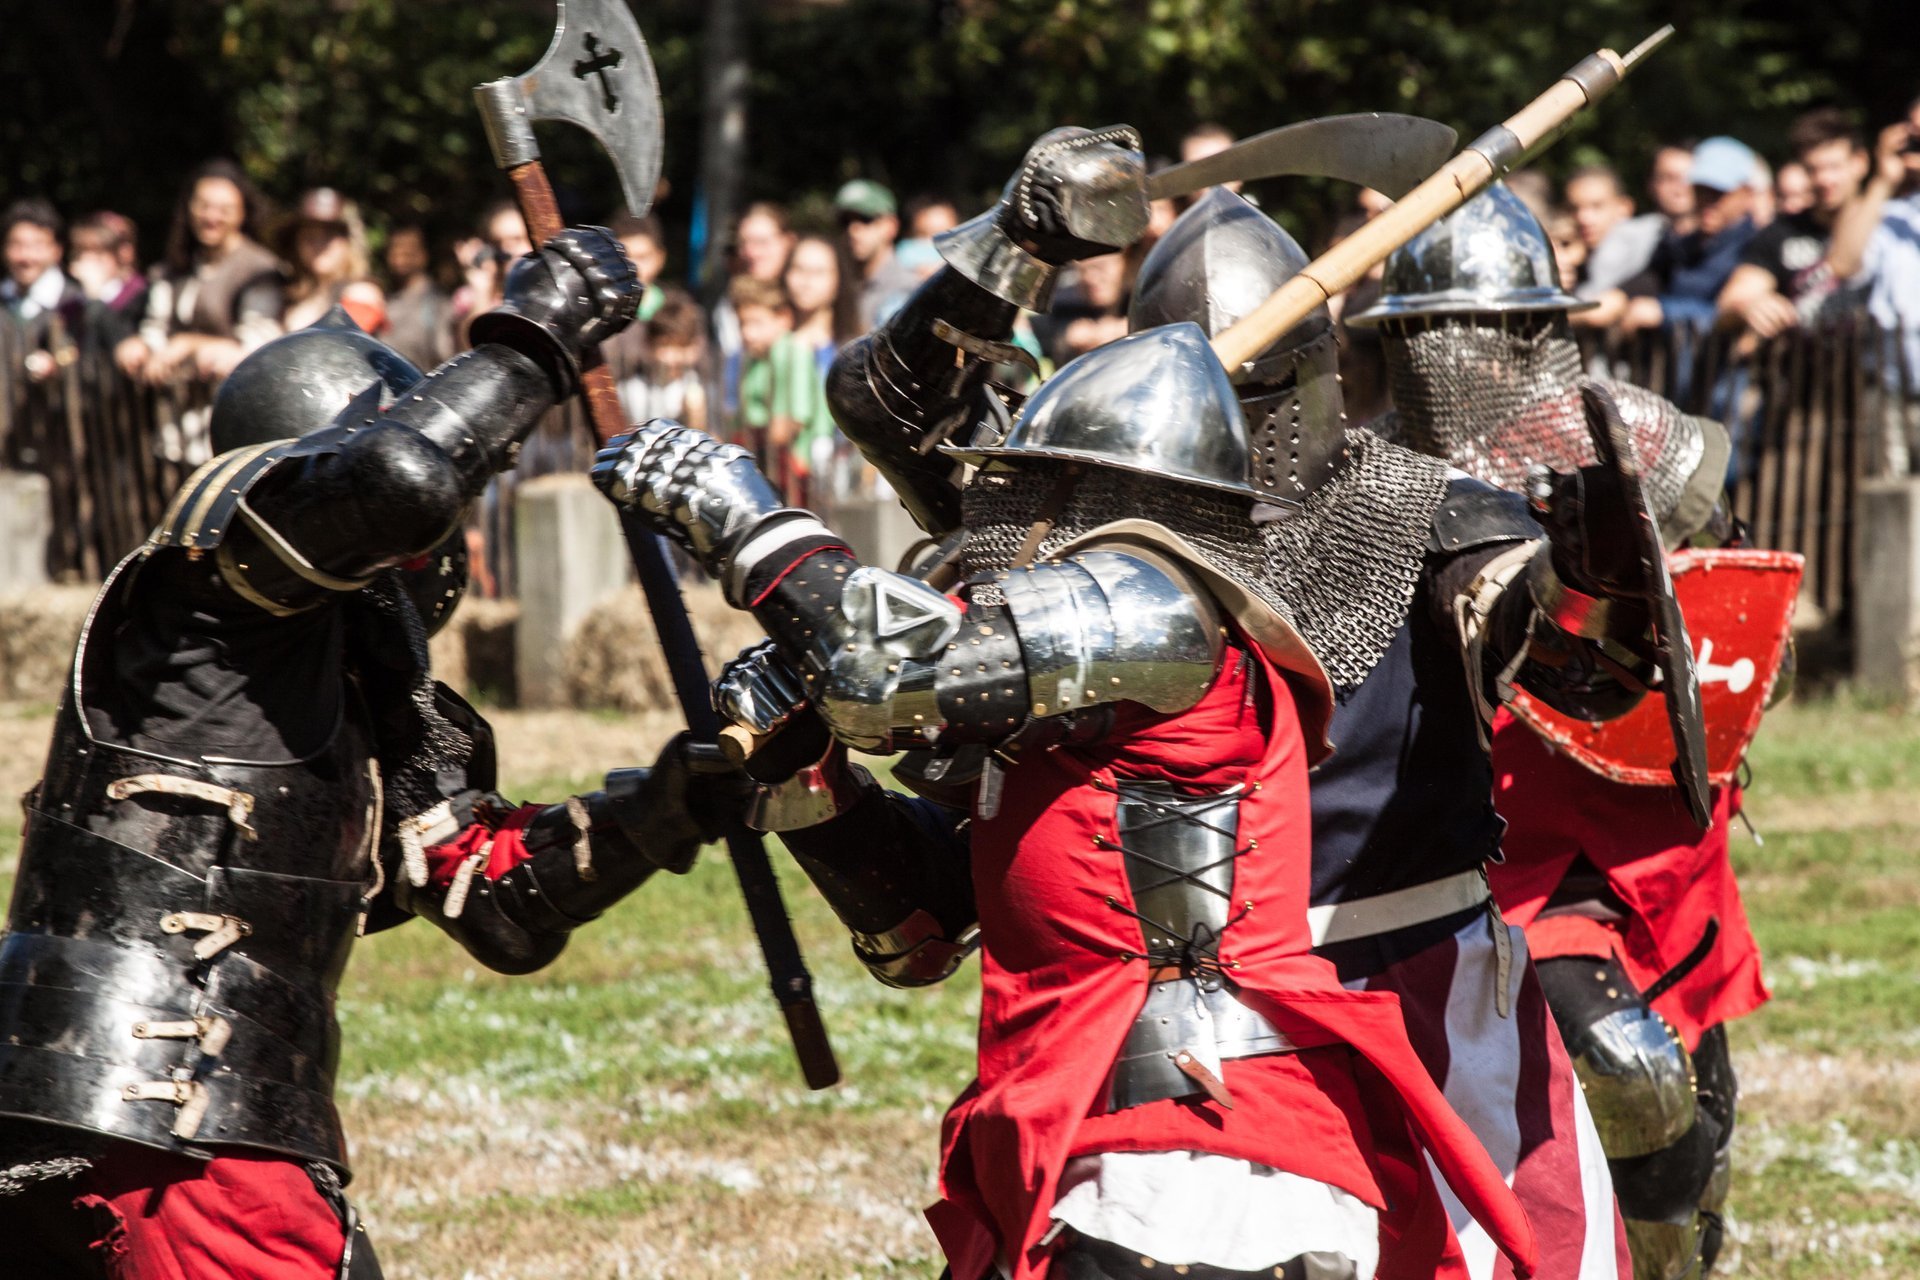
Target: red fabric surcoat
{"points": [[1062, 980], [1675, 880]]}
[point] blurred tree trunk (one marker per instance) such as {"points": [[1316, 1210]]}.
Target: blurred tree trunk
{"points": [[723, 137]]}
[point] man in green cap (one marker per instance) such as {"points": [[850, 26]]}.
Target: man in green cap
{"points": [[871, 221]]}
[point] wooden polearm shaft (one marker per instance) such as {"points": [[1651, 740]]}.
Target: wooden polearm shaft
{"points": [[1494, 153]]}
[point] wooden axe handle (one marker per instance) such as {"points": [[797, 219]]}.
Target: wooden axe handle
{"points": [[1456, 182], [534, 194]]}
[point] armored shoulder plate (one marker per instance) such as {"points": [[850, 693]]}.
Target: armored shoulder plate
{"points": [[1475, 514], [205, 506]]}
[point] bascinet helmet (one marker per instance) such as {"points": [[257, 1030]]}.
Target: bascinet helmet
{"points": [[301, 383], [1490, 256], [1157, 403], [1220, 260]]}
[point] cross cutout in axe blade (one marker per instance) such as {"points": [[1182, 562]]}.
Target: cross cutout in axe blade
{"points": [[625, 118], [599, 64]]}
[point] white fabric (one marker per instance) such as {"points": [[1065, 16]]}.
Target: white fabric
{"points": [[1196, 1207], [1892, 272], [1484, 1062]]}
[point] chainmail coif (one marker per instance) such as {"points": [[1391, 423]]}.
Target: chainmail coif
{"points": [[1342, 570], [1493, 400]]}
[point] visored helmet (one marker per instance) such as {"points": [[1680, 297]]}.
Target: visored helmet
{"points": [[300, 382], [1489, 256], [1158, 403], [1221, 259]]}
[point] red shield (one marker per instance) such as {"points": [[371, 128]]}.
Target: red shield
{"points": [[1738, 606]]}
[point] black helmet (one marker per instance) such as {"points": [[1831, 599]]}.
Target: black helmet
{"points": [[301, 382]]}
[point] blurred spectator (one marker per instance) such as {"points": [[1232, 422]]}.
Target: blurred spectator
{"points": [[1161, 213], [1670, 183], [1535, 190], [761, 243], [40, 301], [1201, 141], [1611, 242], [1569, 249], [755, 378], [1792, 189], [326, 246], [484, 259], [419, 313], [870, 223], [824, 318], [927, 217], [1684, 279], [102, 258], [646, 246], [218, 294], [1089, 311], [672, 383], [1876, 243], [1783, 278]]}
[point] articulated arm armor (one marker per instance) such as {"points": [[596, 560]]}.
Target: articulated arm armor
{"points": [[889, 661], [920, 380], [567, 862], [295, 520]]}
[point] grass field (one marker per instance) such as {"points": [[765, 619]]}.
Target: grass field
{"points": [[633, 1110]]}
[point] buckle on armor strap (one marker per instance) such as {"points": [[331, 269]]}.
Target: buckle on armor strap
{"points": [[222, 931], [190, 1096], [238, 804], [211, 1031]]}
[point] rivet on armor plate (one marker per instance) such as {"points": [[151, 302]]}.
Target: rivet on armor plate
{"points": [[1039, 709]]}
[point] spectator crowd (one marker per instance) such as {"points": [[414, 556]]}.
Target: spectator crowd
{"points": [[1715, 239]]}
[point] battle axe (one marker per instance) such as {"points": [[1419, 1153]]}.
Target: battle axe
{"points": [[597, 76]]}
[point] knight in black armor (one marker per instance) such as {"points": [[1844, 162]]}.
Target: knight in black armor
{"points": [[1133, 508], [251, 765], [1625, 901]]}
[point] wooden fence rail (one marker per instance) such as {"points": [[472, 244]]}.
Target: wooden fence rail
{"points": [[1812, 414]]}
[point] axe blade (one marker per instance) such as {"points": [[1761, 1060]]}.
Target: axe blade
{"points": [[1390, 153], [596, 75]]}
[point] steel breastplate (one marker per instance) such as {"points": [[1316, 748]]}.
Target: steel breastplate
{"points": [[1179, 853], [177, 932]]}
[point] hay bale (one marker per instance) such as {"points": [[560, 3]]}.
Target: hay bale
{"points": [[38, 629], [473, 654], [614, 660]]}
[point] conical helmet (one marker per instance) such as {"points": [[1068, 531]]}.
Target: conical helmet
{"points": [[300, 382], [1489, 256], [1158, 403], [1221, 259]]}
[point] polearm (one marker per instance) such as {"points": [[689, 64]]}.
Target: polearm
{"points": [[597, 75], [1494, 153]]}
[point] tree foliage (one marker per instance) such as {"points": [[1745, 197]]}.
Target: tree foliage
{"points": [[114, 99]]}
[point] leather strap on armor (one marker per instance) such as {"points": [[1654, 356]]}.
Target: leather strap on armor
{"points": [[1178, 852]]}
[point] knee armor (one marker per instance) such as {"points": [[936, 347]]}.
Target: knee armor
{"points": [[1665, 1117]]}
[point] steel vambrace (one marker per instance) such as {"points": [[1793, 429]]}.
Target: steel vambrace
{"points": [[888, 660]]}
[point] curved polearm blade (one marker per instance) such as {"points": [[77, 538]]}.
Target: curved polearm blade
{"points": [[1390, 153], [598, 76]]}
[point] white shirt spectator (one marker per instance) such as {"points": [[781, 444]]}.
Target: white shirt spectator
{"points": [[42, 295], [1892, 272], [1622, 255]]}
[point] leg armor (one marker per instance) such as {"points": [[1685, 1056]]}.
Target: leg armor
{"points": [[1665, 1118]]}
